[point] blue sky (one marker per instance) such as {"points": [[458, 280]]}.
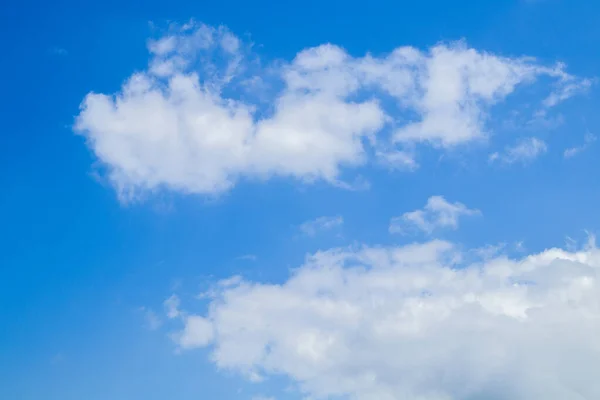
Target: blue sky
{"points": [[151, 150]]}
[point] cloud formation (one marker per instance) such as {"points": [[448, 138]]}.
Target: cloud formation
{"points": [[415, 322], [207, 112], [437, 213], [588, 140], [524, 151], [311, 228]]}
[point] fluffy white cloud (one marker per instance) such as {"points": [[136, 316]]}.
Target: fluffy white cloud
{"points": [[207, 113], [437, 213], [415, 322], [198, 332], [524, 151], [311, 228]]}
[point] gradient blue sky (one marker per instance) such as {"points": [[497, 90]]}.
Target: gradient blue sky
{"points": [[81, 269]]}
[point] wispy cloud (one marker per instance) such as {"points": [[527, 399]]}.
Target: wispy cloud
{"points": [[311, 228], [437, 213], [172, 306], [524, 151], [570, 87], [153, 321], [588, 139]]}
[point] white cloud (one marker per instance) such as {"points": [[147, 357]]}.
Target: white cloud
{"points": [[397, 160], [413, 322], [455, 87], [524, 151], [172, 306], [437, 213], [569, 88], [198, 332], [588, 139], [206, 113], [311, 228], [153, 321]]}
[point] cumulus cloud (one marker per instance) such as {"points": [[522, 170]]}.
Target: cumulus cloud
{"points": [[437, 213], [312, 227], [415, 322], [588, 139], [208, 112], [524, 151], [198, 332]]}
